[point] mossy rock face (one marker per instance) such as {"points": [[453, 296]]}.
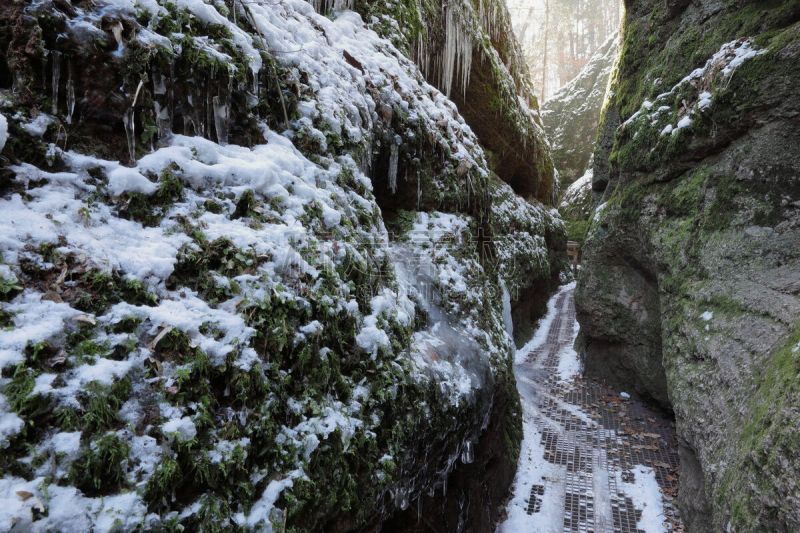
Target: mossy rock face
{"points": [[208, 321], [688, 293]]}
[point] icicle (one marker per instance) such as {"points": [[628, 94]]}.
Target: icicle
{"points": [[116, 29], [457, 57], [254, 74], [208, 109], [163, 120], [171, 93], [467, 453], [221, 119], [324, 7], [56, 79], [128, 119], [159, 87], [419, 191], [394, 158], [507, 320], [70, 93]]}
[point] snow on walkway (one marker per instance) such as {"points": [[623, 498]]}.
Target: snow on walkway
{"points": [[591, 461]]}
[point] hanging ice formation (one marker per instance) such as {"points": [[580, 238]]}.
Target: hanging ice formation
{"points": [[70, 93], [56, 80], [457, 54], [129, 121], [454, 60], [221, 119], [326, 6], [394, 159]]}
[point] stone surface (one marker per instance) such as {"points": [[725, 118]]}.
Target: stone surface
{"points": [[690, 293], [253, 265], [572, 115]]}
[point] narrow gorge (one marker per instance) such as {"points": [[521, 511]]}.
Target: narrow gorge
{"points": [[302, 265]]}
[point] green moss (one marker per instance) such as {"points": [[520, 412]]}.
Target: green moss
{"points": [[101, 404], [97, 290], [9, 288], [161, 486], [151, 209], [725, 305], [213, 516], [18, 391], [577, 230], [245, 205], [768, 435], [101, 467], [199, 264]]}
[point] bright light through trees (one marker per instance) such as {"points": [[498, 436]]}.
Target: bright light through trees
{"points": [[560, 36]]}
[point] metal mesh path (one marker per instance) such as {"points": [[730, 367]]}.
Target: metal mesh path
{"points": [[597, 442]]}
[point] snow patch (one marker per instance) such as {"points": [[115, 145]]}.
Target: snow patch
{"points": [[646, 495]]}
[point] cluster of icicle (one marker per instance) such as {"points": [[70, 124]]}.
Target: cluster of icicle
{"points": [[56, 81], [327, 6], [457, 53], [454, 62], [456, 56]]}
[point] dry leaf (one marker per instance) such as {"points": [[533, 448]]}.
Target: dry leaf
{"points": [[161, 335]]}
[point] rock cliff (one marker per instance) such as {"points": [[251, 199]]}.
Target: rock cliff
{"points": [[572, 115], [257, 269], [690, 295]]}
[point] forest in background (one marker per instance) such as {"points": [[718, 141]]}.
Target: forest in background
{"points": [[558, 37]]}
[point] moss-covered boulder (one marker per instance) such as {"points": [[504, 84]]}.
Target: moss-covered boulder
{"points": [[689, 295], [213, 312]]}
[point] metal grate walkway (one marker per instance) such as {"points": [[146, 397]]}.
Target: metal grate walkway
{"points": [[597, 437]]}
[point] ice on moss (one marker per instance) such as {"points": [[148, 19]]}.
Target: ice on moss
{"points": [[65, 508], [123, 179], [35, 319], [259, 515], [104, 371], [53, 211], [388, 304], [722, 64], [704, 102], [181, 428], [209, 14], [37, 127], [684, 122], [188, 313], [10, 423]]}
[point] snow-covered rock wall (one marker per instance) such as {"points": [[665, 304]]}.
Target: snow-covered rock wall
{"points": [[251, 271], [571, 117]]}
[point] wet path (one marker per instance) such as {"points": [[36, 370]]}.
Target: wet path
{"points": [[591, 460]]}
